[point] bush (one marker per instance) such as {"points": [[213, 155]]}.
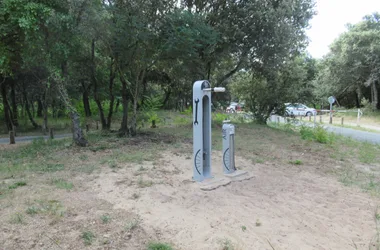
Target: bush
{"points": [[219, 118], [318, 134], [307, 133]]}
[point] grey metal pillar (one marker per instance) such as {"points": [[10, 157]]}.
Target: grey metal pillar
{"points": [[228, 132], [202, 129]]}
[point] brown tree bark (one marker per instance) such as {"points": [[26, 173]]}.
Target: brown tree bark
{"points": [[35, 125], [7, 109], [123, 131], [14, 103], [86, 101], [375, 97], [39, 107], [95, 84], [111, 95]]}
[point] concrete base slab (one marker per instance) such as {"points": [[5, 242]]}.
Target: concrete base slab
{"points": [[212, 184], [239, 175]]}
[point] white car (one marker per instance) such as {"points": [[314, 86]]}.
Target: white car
{"points": [[298, 109]]}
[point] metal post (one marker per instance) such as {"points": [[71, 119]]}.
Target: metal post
{"points": [[228, 133], [320, 119], [330, 113], [358, 120], [51, 133], [202, 129], [342, 120]]}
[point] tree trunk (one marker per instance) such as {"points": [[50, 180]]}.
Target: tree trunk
{"points": [[35, 125], [375, 96], [117, 105], [167, 96], [78, 136], [123, 131], [357, 100], [95, 83], [14, 104], [86, 101], [133, 128], [39, 107], [111, 96], [7, 110]]}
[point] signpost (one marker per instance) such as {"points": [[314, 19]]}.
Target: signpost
{"points": [[331, 100]]}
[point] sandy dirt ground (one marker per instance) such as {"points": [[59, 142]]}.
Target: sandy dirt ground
{"points": [[281, 207], [292, 208]]}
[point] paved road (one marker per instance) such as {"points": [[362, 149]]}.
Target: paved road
{"points": [[31, 138], [359, 135]]}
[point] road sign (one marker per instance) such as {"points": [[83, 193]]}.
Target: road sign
{"points": [[331, 99]]}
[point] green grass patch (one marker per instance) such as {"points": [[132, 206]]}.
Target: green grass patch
{"points": [[88, 237], [62, 184], [17, 184], [17, 218], [159, 246]]}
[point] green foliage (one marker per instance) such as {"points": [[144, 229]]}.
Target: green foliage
{"points": [[17, 184], [88, 237], [159, 246], [188, 111], [218, 118], [307, 133], [351, 69], [105, 218], [318, 134], [62, 184], [150, 107]]}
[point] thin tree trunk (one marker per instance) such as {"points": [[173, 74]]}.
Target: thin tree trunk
{"points": [[111, 95], [35, 125], [123, 131], [7, 110], [374, 95], [14, 104], [86, 101], [167, 96], [33, 109], [95, 83], [117, 105], [39, 107]]}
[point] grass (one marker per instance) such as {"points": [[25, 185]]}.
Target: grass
{"points": [[132, 224], [46, 207], [105, 218], [17, 218], [88, 237], [226, 244], [159, 246], [296, 162], [17, 184], [141, 183], [62, 184], [32, 210]]}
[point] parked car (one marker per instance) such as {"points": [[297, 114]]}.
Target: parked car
{"points": [[235, 107], [298, 109]]}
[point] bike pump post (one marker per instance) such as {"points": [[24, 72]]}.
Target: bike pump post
{"points": [[202, 129], [228, 133]]}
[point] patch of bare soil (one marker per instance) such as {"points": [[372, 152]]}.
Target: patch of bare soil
{"points": [[41, 217], [292, 207]]}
